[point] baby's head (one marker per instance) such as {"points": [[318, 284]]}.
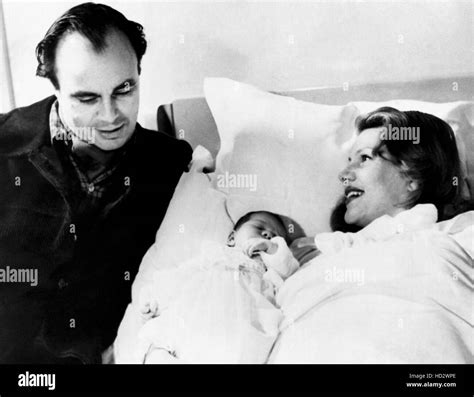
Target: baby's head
{"points": [[259, 224]]}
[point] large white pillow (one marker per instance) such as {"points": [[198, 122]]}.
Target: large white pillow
{"points": [[277, 153], [283, 155], [196, 214]]}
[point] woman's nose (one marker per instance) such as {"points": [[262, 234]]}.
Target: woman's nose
{"points": [[347, 175], [266, 235]]}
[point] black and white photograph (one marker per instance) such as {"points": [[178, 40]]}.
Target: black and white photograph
{"points": [[237, 182]]}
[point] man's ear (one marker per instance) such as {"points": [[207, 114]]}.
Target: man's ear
{"points": [[231, 239]]}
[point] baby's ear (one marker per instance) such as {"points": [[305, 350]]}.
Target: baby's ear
{"points": [[231, 239]]}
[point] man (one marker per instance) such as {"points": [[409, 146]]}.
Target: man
{"points": [[84, 189]]}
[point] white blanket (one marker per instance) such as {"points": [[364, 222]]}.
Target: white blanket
{"points": [[405, 298], [215, 308]]}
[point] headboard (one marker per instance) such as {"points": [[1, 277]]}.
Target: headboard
{"points": [[192, 120]]}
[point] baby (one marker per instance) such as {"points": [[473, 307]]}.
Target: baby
{"points": [[220, 306], [262, 236]]}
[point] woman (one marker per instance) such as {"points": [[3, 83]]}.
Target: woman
{"points": [[388, 176], [423, 169], [387, 286]]}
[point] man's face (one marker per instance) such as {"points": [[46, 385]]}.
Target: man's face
{"points": [[98, 91]]}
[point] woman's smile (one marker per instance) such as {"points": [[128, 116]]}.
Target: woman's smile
{"points": [[352, 193]]}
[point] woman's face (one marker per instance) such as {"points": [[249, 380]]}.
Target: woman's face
{"points": [[373, 185]]}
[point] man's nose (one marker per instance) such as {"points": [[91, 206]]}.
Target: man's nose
{"points": [[109, 111], [347, 175]]}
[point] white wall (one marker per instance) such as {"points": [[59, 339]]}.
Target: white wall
{"points": [[277, 46]]}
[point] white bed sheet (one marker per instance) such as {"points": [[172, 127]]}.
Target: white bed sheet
{"points": [[412, 302]]}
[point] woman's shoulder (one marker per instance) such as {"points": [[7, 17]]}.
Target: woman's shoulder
{"points": [[419, 217]]}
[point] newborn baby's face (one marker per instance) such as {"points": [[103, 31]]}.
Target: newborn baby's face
{"points": [[260, 226]]}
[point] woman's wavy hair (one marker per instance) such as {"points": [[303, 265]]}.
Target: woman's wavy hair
{"points": [[432, 160], [93, 21]]}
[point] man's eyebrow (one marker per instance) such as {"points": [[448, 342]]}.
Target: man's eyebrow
{"points": [[129, 82]]}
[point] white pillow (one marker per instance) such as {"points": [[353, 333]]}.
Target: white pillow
{"points": [[277, 153], [196, 214], [284, 155], [459, 115]]}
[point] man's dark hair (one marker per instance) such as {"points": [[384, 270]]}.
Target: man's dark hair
{"points": [[93, 21]]}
